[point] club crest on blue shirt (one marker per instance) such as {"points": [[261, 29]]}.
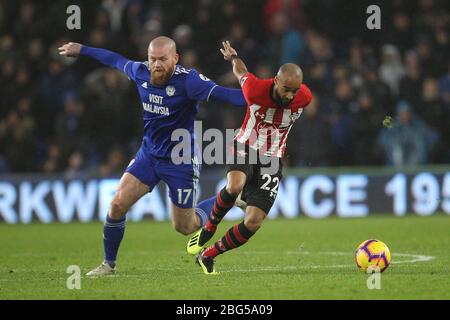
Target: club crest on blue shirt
{"points": [[170, 90]]}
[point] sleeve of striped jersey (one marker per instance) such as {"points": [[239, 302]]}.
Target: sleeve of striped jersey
{"points": [[199, 87], [247, 83], [112, 59]]}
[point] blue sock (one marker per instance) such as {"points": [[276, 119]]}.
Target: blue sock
{"points": [[204, 208], [113, 231]]}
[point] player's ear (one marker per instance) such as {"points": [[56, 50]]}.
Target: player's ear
{"points": [[176, 57]]}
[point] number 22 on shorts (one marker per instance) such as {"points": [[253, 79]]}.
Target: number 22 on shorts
{"points": [[268, 179]]}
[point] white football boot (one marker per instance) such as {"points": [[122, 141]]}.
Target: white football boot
{"points": [[102, 270]]}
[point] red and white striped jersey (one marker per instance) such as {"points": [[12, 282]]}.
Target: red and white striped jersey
{"points": [[266, 125]]}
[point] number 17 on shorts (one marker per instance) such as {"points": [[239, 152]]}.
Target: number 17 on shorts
{"points": [[184, 195]]}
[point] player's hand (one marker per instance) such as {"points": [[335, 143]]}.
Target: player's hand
{"points": [[227, 50], [71, 49]]}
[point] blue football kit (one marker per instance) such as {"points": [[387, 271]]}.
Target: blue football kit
{"points": [[165, 109]]}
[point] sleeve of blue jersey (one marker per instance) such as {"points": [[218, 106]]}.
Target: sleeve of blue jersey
{"points": [[131, 68], [198, 87], [228, 95], [112, 59]]}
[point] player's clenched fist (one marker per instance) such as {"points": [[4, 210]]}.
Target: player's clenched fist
{"points": [[71, 49], [228, 51]]}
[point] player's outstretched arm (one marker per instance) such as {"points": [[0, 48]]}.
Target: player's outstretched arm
{"points": [[201, 88], [109, 58], [228, 95], [230, 54]]}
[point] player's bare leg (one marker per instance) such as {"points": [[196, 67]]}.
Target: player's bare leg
{"points": [[184, 220], [235, 237], [130, 190], [225, 200], [254, 218]]}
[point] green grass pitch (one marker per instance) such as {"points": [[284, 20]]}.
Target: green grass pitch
{"points": [[286, 259]]}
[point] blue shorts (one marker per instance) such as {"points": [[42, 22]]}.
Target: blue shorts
{"points": [[182, 180]]}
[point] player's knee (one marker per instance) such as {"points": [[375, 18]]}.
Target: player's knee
{"points": [[235, 187], [118, 209], [253, 223], [183, 228]]}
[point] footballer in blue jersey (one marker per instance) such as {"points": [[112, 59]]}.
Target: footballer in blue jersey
{"points": [[169, 95]]}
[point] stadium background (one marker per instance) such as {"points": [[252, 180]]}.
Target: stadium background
{"points": [[64, 120]]}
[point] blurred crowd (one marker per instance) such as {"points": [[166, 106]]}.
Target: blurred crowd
{"points": [[77, 117]]}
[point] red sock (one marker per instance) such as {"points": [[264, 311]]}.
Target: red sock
{"points": [[233, 238], [224, 202], [210, 226], [210, 252]]}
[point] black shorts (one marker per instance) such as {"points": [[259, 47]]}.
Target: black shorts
{"points": [[263, 176]]}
